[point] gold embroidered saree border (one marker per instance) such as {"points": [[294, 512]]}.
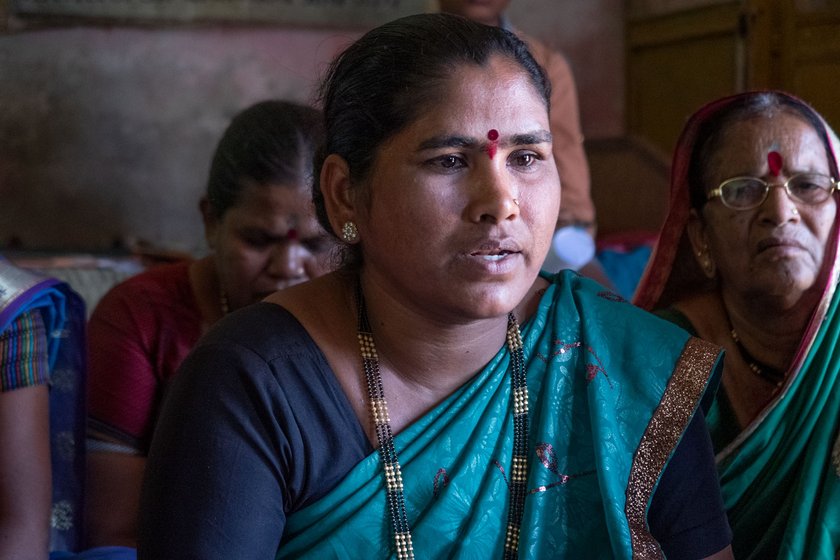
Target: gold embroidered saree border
{"points": [[663, 433]]}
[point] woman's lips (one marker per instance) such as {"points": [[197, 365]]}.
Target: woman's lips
{"points": [[493, 256], [778, 243]]}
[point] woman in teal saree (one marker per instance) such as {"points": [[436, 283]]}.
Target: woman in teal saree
{"points": [[775, 420], [587, 417], [437, 397]]}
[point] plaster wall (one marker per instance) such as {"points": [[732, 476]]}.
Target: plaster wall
{"points": [[590, 33], [106, 132]]}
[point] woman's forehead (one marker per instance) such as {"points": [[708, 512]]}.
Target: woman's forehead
{"points": [[762, 141], [499, 90]]}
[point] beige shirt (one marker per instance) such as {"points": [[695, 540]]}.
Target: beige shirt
{"points": [[576, 205]]}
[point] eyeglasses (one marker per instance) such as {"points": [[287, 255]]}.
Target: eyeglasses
{"points": [[745, 193]]}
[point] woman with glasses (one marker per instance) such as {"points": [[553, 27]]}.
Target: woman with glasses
{"points": [[748, 259]]}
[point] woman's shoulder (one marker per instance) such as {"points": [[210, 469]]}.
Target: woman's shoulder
{"points": [[703, 313], [168, 273], [150, 297], [594, 301], [265, 329], [264, 346], [165, 280], [579, 306]]}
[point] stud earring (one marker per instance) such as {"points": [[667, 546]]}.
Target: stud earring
{"points": [[349, 232], [795, 211], [706, 262]]}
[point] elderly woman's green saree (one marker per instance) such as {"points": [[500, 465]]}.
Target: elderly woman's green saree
{"points": [[780, 476]]}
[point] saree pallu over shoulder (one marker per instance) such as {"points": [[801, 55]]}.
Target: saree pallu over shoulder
{"points": [[611, 391], [63, 314], [780, 479]]}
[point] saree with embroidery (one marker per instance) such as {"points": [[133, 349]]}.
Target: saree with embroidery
{"points": [[780, 475], [63, 314], [610, 393]]}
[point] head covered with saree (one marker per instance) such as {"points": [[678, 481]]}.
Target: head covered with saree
{"points": [[779, 469]]}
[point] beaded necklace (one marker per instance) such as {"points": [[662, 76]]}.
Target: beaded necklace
{"points": [[762, 370], [395, 498], [765, 372]]}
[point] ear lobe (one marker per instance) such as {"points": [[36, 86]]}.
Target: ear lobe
{"points": [[337, 190], [696, 230], [211, 223]]}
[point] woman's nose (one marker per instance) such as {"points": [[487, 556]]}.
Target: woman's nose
{"points": [[778, 208], [287, 260], [493, 195]]}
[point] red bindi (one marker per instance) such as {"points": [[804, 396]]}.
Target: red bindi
{"points": [[292, 234], [493, 137], [775, 163]]}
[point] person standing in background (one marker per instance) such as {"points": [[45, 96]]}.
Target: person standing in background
{"points": [[573, 245]]}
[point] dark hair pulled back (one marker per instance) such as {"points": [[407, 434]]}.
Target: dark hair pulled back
{"points": [[385, 80], [269, 143]]}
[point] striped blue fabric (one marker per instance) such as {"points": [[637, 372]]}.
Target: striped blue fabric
{"points": [[24, 360]]}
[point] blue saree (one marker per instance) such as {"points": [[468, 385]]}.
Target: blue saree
{"points": [[62, 311], [611, 391]]}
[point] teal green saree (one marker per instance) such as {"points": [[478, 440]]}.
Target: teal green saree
{"points": [[780, 479], [611, 390]]}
